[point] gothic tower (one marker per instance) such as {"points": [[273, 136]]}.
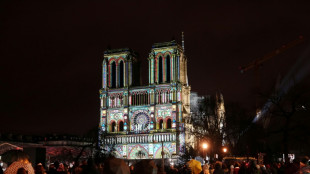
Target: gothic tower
{"points": [[118, 69], [139, 121], [168, 65]]}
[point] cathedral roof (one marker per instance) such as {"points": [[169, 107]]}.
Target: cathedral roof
{"points": [[165, 44], [120, 50]]}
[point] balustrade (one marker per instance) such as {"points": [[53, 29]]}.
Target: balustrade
{"points": [[151, 138]]}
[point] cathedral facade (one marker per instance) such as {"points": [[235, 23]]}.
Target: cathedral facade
{"points": [[137, 122]]}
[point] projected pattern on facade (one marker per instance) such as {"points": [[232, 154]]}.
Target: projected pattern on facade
{"points": [[136, 120]]}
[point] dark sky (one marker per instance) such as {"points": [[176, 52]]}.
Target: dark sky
{"points": [[51, 52]]}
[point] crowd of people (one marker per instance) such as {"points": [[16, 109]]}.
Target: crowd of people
{"points": [[297, 167], [119, 166]]}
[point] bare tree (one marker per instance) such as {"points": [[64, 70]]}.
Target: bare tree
{"points": [[208, 125]]}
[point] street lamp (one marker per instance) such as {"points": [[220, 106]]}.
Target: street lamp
{"points": [[204, 147], [224, 149]]}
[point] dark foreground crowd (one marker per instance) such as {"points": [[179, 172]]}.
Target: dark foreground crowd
{"points": [[118, 166], [297, 167]]}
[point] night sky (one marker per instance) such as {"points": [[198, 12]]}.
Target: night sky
{"points": [[51, 52]]}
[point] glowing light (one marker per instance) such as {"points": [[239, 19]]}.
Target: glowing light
{"points": [[224, 149], [205, 145]]}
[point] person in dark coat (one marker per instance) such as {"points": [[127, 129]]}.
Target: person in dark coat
{"points": [[218, 169]]}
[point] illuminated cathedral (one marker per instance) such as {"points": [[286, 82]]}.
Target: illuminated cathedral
{"points": [[137, 122]]}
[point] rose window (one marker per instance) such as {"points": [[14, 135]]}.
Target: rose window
{"points": [[142, 119]]}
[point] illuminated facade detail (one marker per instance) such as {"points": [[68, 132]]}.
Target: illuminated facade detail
{"points": [[136, 120]]}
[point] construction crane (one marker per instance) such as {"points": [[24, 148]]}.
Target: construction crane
{"points": [[257, 62]]}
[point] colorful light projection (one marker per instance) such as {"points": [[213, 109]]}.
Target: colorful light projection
{"points": [[124, 150], [138, 151], [169, 149], [174, 123], [140, 120], [114, 116], [164, 111], [151, 149], [104, 74], [118, 152], [141, 114], [145, 151]]}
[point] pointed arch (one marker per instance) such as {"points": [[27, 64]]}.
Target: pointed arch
{"points": [[113, 126], [168, 69], [161, 124], [121, 126], [160, 69], [113, 74], [121, 74], [169, 123]]}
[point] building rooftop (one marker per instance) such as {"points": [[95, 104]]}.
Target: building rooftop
{"points": [[165, 44]]}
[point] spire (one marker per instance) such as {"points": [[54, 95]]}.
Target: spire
{"points": [[183, 41], [186, 80]]}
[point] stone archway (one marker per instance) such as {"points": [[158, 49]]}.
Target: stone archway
{"points": [[138, 152]]}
